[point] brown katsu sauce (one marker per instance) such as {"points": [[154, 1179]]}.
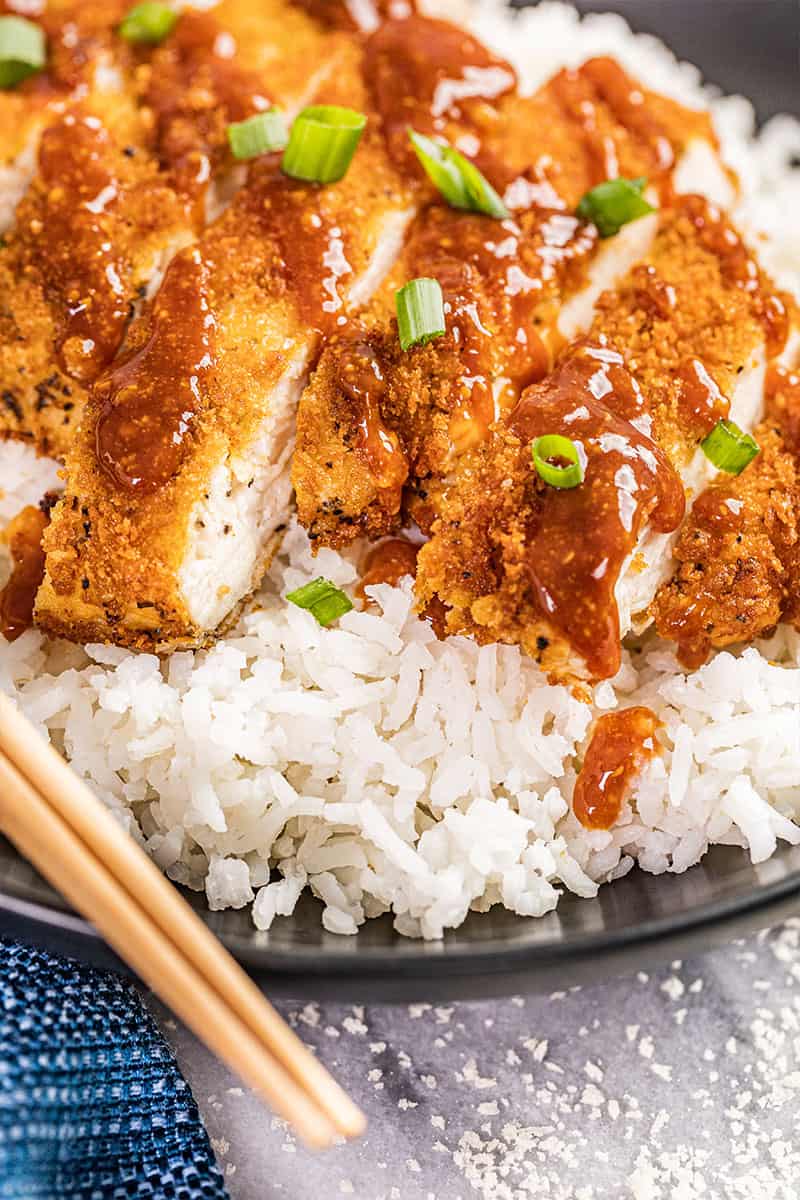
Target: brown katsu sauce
{"points": [[717, 515], [621, 745], [627, 102], [610, 111], [23, 536], [77, 37], [654, 295], [431, 75], [357, 16], [309, 248], [196, 86], [149, 400], [494, 278], [362, 378], [579, 538], [67, 228], [739, 268], [782, 403], [700, 402], [388, 561]]}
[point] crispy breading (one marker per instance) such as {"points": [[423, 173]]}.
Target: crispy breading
{"points": [[165, 565], [738, 554], [677, 305], [504, 286], [126, 167]]}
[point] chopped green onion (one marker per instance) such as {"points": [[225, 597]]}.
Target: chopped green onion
{"points": [[615, 203], [148, 22], [729, 448], [322, 598], [22, 50], [459, 180], [420, 312], [264, 132], [553, 445], [322, 143]]}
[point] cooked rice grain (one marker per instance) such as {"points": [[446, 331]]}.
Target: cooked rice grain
{"points": [[390, 772]]}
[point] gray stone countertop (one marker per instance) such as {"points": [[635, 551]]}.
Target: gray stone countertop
{"points": [[677, 1084]]}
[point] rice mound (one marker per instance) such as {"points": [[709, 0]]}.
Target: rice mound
{"points": [[391, 772]]}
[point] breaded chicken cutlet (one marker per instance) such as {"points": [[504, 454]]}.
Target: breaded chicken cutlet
{"points": [[379, 429], [738, 553], [178, 479], [592, 291], [680, 345], [123, 179]]}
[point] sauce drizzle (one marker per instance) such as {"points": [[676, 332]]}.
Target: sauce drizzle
{"points": [[431, 75], [388, 562], [195, 87], [23, 536], [362, 378], [621, 744], [149, 400], [73, 239], [578, 539]]}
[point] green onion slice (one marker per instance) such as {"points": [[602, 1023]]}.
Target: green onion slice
{"points": [[420, 312], [261, 134], [553, 445], [729, 448], [459, 180], [148, 22], [615, 203], [22, 50], [322, 598], [322, 143]]}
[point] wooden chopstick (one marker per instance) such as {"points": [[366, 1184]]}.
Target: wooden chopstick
{"points": [[56, 822]]}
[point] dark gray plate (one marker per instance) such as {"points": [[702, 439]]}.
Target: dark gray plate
{"points": [[747, 46]]}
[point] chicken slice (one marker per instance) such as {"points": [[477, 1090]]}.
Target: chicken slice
{"points": [[123, 178], [84, 56], [693, 324], [378, 430], [179, 483], [738, 554]]}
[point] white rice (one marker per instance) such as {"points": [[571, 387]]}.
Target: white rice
{"points": [[388, 771]]}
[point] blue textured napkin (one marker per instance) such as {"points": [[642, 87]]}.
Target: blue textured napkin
{"points": [[92, 1105]]}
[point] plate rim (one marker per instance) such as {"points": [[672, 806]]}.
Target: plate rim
{"points": [[419, 960]]}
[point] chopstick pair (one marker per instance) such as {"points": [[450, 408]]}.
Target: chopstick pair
{"points": [[56, 822]]}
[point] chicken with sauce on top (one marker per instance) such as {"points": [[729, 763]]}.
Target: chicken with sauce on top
{"points": [[333, 249]]}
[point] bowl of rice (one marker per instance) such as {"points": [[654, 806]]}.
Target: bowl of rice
{"points": [[366, 808]]}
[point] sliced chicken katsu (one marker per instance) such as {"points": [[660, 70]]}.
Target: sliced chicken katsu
{"points": [[121, 185], [682, 343], [379, 429], [179, 479], [738, 553], [83, 56]]}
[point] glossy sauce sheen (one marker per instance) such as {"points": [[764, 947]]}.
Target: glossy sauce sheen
{"points": [[579, 538], [76, 38], [24, 539], [601, 83], [428, 74], [362, 378], [362, 16], [74, 242], [621, 745], [309, 248], [782, 403], [493, 277], [700, 402], [388, 562], [149, 400], [196, 87], [739, 268]]}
